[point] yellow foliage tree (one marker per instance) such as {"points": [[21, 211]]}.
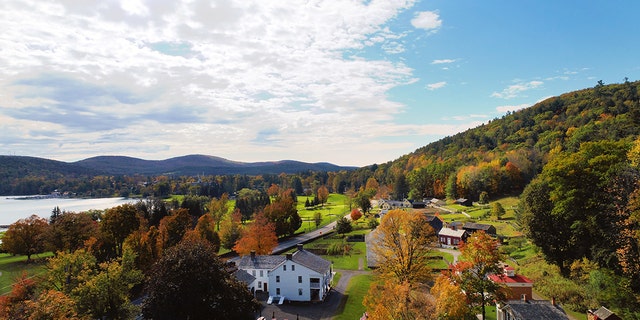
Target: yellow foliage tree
{"points": [[389, 299], [451, 302], [401, 245]]}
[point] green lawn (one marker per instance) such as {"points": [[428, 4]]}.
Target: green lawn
{"points": [[351, 306], [335, 207], [11, 267]]}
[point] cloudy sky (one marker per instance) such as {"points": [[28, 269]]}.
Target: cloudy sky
{"points": [[348, 82]]}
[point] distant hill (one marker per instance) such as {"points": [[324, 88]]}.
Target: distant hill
{"points": [[199, 164], [19, 166]]}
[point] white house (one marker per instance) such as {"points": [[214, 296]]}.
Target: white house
{"points": [[301, 276]]}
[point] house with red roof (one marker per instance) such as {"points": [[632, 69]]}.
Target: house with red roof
{"points": [[520, 287]]}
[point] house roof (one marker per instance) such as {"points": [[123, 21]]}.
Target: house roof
{"points": [[501, 278], [477, 226], [244, 276], [451, 233], [258, 261], [605, 314], [535, 309], [311, 261]]}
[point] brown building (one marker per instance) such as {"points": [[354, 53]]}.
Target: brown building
{"points": [[602, 314]]}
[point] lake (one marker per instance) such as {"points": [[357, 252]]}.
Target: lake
{"points": [[13, 209]]}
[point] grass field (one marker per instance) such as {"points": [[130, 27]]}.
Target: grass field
{"points": [[351, 307], [335, 207], [11, 267]]}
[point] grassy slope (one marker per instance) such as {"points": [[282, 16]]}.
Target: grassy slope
{"points": [[351, 307], [11, 267]]}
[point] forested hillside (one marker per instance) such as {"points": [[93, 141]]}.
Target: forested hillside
{"points": [[502, 156]]}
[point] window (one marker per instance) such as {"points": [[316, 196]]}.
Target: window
{"points": [[299, 279], [277, 291], [299, 292], [277, 278], [293, 267], [284, 267], [253, 272], [259, 284], [261, 273]]}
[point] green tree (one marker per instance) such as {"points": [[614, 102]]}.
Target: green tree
{"points": [[497, 210], [484, 197], [317, 218], [218, 208], [231, 230], [343, 225], [118, 223], [191, 282], [26, 236]]}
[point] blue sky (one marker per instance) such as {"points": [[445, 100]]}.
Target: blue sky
{"points": [[347, 82]]}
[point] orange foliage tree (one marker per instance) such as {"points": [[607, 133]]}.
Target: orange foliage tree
{"points": [[389, 299], [260, 238], [451, 303], [26, 236], [355, 214]]}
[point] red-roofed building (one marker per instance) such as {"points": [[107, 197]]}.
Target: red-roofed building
{"points": [[520, 286]]}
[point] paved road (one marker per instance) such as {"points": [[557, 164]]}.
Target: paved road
{"points": [[286, 244]]}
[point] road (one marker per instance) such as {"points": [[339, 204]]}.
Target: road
{"points": [[286, 244]]}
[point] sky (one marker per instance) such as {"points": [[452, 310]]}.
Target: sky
{"points": [[347, 82]]}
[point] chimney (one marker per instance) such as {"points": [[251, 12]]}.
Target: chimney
{"points": [[300, 246], [289, 256], [253, 254], [523, 297], [553, 301]]}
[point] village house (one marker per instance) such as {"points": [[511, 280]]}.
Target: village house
{"points": [[472, 227], [526, 309], [520, 287], [449, 237], [602, 314], [393, 204], [301, 276]]}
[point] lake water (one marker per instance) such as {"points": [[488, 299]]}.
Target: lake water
{"points": [[13, 209]]}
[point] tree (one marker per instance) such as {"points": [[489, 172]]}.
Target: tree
{"points": [[218, 208], [118, 223], [231, 230], [51, 305], [322, 194], [497, 210], [15, 305], [191, 282], [26, 236], [104, 291], [317, 218], [479, 258], [355, 215], [451, 303], [70, 231], [206, 230], [273, 190], [343, 225], [389, 299], [173, 227], [484, 197], [401, 245], [251, 201], [400, 187], [260, 238], [284, 214]]}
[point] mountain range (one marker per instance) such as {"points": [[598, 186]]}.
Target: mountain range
{"points": [[189, 165]]}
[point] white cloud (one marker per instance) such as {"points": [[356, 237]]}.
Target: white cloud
{"points": [[443, 61], [427, 20], [511, 108], [156, 79], [437, 85], [515, 90]]}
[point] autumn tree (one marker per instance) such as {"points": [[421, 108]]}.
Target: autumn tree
{"points": [[15, 304], [451, 303], [173, 227], [260, 237], [355, 214], [206, 230], [401, 245], [144, 244], [284, 214], [52, 304], [322, 194], [191, 282], [118, 223], [218, 209], [70, 230], [273, 190], [479, 258], [231, 230], [26, 236], [390, 299]]}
